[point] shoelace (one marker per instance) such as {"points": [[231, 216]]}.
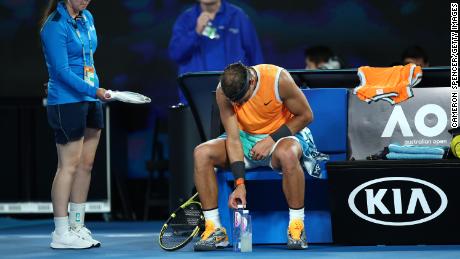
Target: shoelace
{"points": [[82, 230], [86, 230], [295, 229], [77, 234], [209, 229]]}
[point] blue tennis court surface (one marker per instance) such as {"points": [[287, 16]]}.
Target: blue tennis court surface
{"points": [[31, 238]]}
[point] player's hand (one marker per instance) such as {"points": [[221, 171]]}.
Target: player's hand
{"points": [[102, 94], [262, 148], [202, 21], [237, 196]]}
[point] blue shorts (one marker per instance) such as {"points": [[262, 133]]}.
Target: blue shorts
{"points": [[70, 120]]}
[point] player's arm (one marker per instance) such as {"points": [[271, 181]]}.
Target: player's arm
{"points": [[229, 120], [297, 104], [233, 146], [295, 101]]}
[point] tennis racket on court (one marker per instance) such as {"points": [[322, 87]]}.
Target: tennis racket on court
{"points": [[127, 97], [182, 226]]}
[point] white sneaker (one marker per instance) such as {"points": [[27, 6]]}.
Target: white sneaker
{"points": [[85, 233], [69, 240]]}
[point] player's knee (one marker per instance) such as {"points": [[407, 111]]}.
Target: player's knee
{"points": [[202, 153], [288, 160]]}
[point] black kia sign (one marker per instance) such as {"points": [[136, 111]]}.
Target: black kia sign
{"points": [[395, 202], [422, 120]]}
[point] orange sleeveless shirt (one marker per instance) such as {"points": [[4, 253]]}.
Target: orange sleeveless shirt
{"points": [[392, 84], [264, 112]]}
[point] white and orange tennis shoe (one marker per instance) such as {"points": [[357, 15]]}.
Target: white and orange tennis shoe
{"points": [[297, 239], [212, 238]]}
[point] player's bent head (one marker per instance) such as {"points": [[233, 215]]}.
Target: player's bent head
{"points": [[235, 81]]}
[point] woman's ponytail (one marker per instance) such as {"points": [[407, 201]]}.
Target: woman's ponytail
{"points": [[52, 5]]}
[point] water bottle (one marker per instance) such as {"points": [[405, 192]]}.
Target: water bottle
{"points": [[242, 230], [237, 218], [246, 232]]}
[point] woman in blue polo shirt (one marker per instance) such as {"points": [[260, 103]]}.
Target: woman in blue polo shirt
{"points": [[75, 114]]}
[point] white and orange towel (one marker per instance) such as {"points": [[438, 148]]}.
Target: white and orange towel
{"points": [[391, 84]]}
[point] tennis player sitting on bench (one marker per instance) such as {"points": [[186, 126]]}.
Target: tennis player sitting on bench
{"points": [[265, 115]]}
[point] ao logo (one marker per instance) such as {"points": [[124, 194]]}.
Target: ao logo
{"points": [[398, 117], [374, 201]]}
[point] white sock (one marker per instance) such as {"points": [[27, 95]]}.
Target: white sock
{"points": [[296, 214], [77, 214], [61, 225], [213, 215]]}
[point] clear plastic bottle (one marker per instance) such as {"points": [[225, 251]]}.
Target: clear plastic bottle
{"points": [[242, 230], [237, 220], [246, 232]]}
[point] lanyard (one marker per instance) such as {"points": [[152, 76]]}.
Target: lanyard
{"points": [[83, 44]]}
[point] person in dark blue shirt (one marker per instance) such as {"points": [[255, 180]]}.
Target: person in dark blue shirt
{"points": [[211, 35], [75, 114]]}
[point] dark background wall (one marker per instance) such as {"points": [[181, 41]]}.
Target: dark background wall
{"points": [[134, 35]]}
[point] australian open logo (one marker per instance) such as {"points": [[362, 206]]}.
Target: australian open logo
{"points": [[397, 201], [430, 121]]}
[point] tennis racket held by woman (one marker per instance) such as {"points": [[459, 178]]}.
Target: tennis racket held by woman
{"points": [[127, 97]]}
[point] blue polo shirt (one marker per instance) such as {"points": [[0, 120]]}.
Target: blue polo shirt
{"points": [[64, 52], [237, 41]]}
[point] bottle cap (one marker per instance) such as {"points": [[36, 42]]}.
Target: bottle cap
{"points": [[245, 211]]}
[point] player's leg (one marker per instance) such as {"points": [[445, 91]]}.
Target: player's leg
{"points": [[207, 156], [286, 157]]}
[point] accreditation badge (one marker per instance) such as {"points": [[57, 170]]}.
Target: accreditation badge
{"points": [[89, 75]]}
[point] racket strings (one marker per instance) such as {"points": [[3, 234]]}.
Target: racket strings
{"points": [[133, 97], [182, 226], [129, 97], [192, 216]]}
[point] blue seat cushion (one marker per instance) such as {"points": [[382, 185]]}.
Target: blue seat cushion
{"points": [[329, 126]]}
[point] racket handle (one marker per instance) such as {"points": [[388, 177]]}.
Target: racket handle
{"points": [[108, 94]]}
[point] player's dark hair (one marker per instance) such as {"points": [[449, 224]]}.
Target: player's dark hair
{"points": [[235, 81]]}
